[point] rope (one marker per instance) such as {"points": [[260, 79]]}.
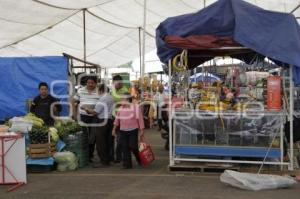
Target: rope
{"points": [[58, 43], [151, 11], [97, 51], [43, 30], [115, 24], [98, 33], [19, 22], [64, 8]]}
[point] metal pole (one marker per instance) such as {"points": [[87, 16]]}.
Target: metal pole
{"points": [[291, 119], [140, 51], [171, 157], [84, 39], [281, 144], [144, 46]]}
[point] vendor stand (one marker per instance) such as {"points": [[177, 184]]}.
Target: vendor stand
{"points": [[243, 31]]}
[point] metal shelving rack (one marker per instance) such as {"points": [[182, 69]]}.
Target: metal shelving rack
{"points": [[208, 153]]}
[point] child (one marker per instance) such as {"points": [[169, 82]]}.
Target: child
{"points": [[130, 120]]}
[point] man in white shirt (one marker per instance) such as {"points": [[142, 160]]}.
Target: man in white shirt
{"points": [[86, 97], [102, 133]]}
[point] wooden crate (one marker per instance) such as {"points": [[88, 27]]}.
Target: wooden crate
{"points": [[41, 150]]}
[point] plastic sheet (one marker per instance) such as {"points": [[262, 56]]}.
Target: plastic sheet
{"points": [[229, 129], [256, 182]]}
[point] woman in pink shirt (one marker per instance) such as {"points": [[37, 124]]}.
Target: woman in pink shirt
{"points": [[130, 120]]}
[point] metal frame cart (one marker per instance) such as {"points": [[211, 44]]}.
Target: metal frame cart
{"points": [[194, 147]]}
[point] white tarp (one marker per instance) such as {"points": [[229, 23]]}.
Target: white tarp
{"points": [[256, 182], [51, 27]]}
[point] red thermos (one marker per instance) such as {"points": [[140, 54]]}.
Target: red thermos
{"points": [[274, 91]]}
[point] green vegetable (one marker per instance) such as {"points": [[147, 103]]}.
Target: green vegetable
{"points": [[38, 135], [66, 127]]}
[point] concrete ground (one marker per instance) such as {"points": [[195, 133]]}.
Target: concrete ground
{"points": [[152, 182]]}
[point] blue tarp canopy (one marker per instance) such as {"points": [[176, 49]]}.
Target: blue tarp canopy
{"points": [[272, 34], [206, 77], [20, 77]]}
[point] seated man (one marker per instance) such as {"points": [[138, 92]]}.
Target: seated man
{"points": [[41, 105]]}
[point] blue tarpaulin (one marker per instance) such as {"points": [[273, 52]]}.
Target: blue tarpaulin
{"points": [[272, 34], [40, 161], [20, 77]]}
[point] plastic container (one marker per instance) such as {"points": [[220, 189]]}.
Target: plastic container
{"points": [[274, 91]]}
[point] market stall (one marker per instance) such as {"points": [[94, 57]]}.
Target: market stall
{"points": [[248, 121]]}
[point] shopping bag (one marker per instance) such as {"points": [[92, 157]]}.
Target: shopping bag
{"points": [[146, 154]]}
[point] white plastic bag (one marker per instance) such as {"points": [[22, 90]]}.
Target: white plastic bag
{"points": [[20, 124], [256, 182]]}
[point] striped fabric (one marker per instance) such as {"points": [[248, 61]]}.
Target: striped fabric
{"points": [[86, 98]]}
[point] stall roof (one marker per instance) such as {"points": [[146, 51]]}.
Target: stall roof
{"points": [[230, 23], [51, 27]]}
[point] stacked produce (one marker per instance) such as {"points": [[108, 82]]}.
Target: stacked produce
{"points": [[66, 127], [76, 140], [37, 122], [39, 135]]}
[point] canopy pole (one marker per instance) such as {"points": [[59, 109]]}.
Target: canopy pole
{"points": [[171, 143], [84, 39], [291, 119], [140, 54], [144, 47]]}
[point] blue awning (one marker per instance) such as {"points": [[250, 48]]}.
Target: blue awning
{"points": [[272, 34]]}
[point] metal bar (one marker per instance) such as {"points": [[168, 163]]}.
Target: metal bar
{"points": [[84, 39], [140, 53], [80, 60], [2, 162], [229, 161], [291, 119], [171, 144], [296, 8], [281, 145]]}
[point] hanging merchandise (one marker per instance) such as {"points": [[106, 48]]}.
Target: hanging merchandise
{"points": [[180, 61]]}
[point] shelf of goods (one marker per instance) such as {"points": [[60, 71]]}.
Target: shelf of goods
{"points": [[213, 137]]}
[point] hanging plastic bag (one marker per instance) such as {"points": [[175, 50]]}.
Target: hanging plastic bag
{"points": [[256, 182], [146, 154]]}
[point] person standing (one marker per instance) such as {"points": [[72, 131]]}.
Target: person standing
{"points": [[102, 133], [129, 120], [87, 97], [42, 104], [159, 98], [118, 90]]}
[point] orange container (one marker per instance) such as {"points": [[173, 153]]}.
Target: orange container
{"points": [[274, 93]]}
